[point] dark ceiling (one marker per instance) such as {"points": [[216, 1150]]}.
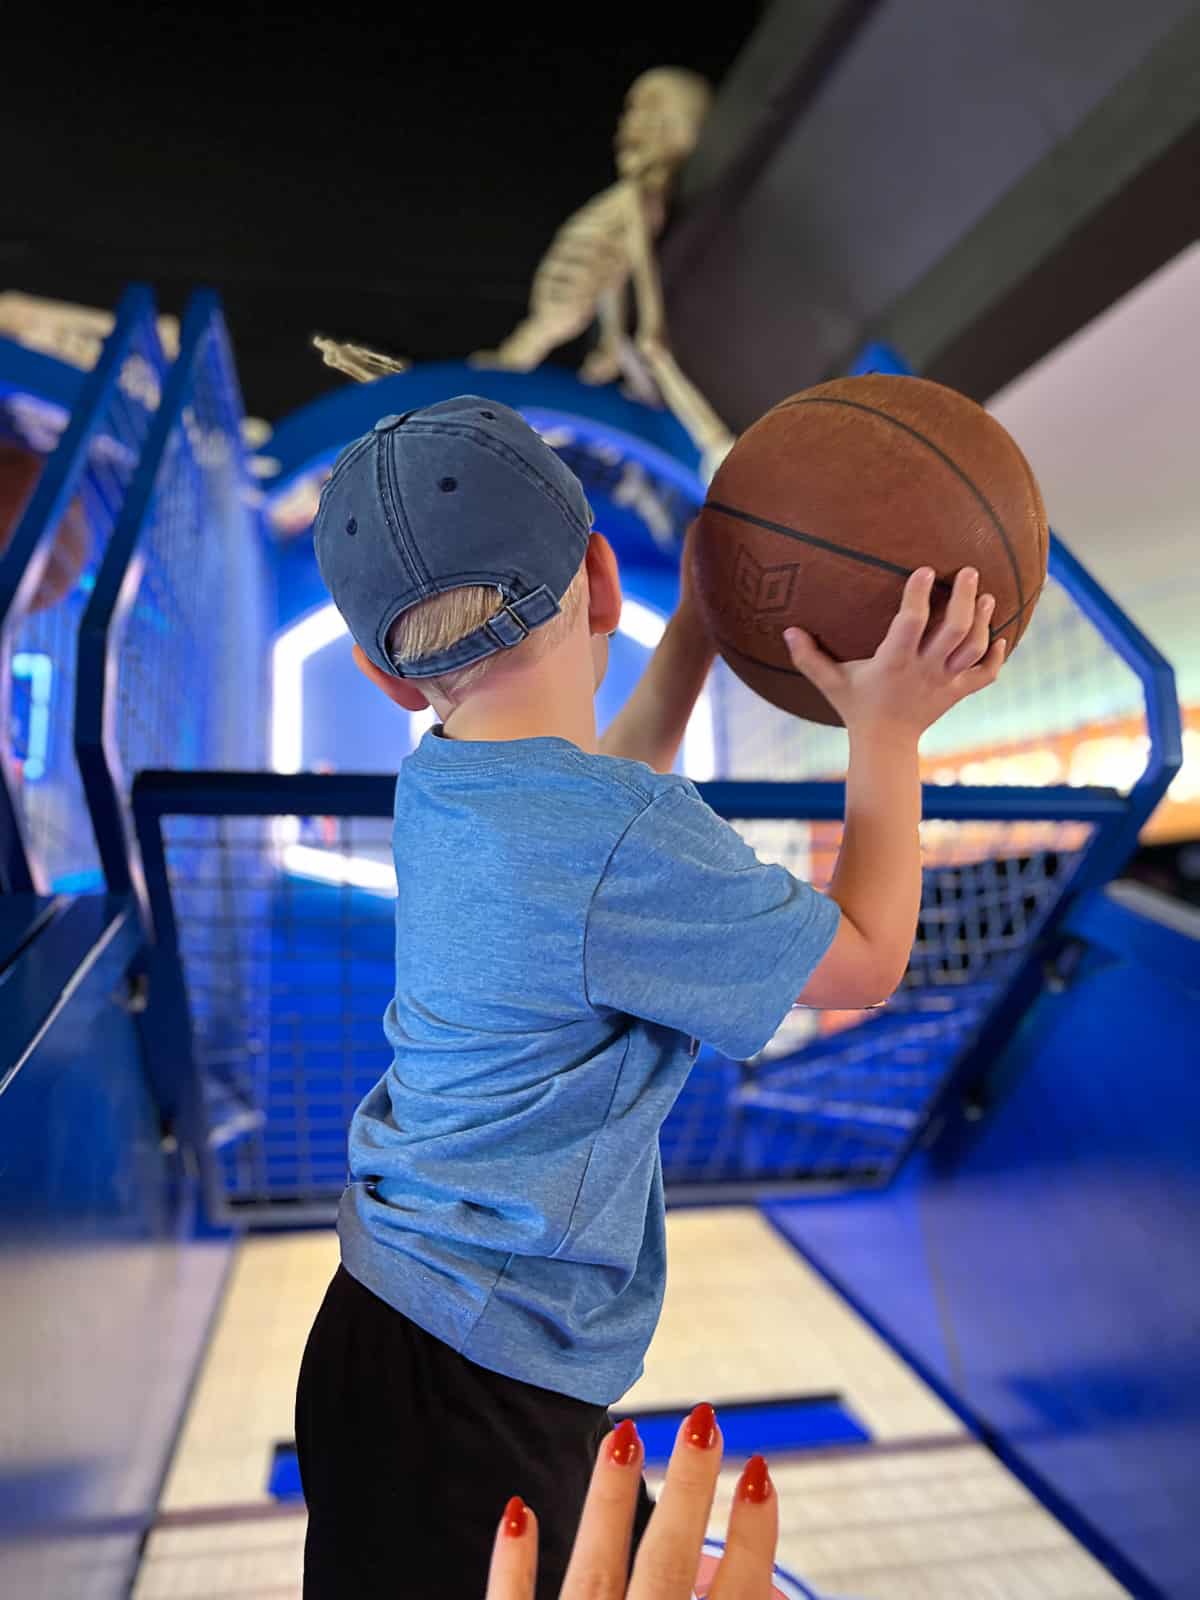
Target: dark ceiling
{"points": [[390, 176]]}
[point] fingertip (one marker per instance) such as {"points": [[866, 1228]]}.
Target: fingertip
{"points": [[515, 1521], [755, 1484], [700, 1428], [752, 1534], [512, 1572], [624, 1443]]}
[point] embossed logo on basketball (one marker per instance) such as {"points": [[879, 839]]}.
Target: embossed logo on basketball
{"points": [[761, 593]]}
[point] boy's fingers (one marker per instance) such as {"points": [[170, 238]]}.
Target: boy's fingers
{"points": [[975, 645], [746, 1568], [959, 617], [908, 625], [816, 665], [988, 669], [669, 1553], [513, 1572], [599, 1561]]}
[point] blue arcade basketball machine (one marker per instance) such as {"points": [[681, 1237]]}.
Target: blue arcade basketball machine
{"points": [[999, 1169]]}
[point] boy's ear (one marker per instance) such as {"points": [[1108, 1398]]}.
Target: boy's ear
{"points": [[604, 585], [402, 690]]}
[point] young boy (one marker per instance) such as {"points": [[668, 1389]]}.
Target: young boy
{"points": [[571, 921]]}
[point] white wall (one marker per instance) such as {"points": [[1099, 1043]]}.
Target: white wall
{"points": [[1110, 422]]}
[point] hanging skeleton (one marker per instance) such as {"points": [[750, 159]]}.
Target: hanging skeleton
{"points": [[597, 254]]}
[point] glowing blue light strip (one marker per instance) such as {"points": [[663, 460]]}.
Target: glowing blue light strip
{"points": [[39, 670]]}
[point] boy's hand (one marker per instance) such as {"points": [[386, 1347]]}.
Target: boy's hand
{"points": [[689, 603], [911, 680]]}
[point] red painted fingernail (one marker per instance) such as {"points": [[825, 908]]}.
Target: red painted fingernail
{"points": [[701, 1427], [755, 1482], [515, 1518], [623, 1446]]}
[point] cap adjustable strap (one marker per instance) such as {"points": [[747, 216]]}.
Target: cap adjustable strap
{"points": [[507, 628], [512, 624]]}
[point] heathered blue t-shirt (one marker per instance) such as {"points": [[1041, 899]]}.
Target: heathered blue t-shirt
{"points": [[568, 926]]}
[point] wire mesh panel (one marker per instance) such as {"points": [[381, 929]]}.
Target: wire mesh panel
{"points": [[288, 975], [838, 1096], [1064, 676], [93, 461], [192, 655], [172, 656], [286, 935]]}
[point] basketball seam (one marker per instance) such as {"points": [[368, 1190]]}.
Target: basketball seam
{"points": [[1040, 506], [999, 628], [873, 411], [817, 542], [791, 672]]}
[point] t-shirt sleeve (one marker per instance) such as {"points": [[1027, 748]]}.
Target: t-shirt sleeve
{"points": [[688, 928]]}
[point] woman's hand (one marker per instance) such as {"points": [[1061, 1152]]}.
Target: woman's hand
{"points": [[667, 1559]]}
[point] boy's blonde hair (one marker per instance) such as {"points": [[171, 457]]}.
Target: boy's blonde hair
{"points": [[445, 619]]}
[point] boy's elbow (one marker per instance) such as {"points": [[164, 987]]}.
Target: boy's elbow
{"points": [[877, 991], [862, 989], [854, 976], [882, 975]]}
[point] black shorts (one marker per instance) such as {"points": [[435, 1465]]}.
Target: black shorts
{"points": [[409, 1453]]}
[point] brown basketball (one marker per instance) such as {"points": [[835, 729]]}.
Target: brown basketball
{"points": [[824, 507]]}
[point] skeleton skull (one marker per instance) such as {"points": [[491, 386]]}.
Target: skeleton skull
{"points": [[660, 125]]}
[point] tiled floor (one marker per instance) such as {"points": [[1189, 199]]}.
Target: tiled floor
{"points": [[243, 1402], [745, 1318], [927, 1516], [938, 1524]]}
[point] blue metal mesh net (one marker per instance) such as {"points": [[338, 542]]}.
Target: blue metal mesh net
{"points": [[191, 692], [191, 675], [1064, 676], [290, 970], [288, 977], [840, 1096]]}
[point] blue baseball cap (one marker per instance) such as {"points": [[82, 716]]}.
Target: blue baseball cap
{"points": [[461, 492]]}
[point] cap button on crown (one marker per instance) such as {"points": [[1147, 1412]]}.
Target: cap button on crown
{"points": [[386, 424]]}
